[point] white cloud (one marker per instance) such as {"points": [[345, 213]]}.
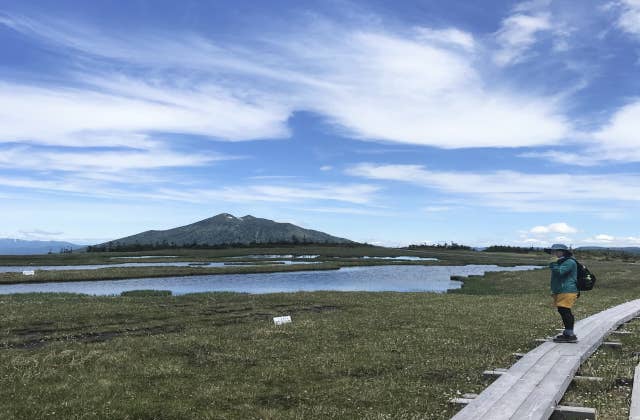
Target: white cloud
{"points": [[117, 188], [566, 158], [611, 240], [407, 91], [449, 36], [629, 18], [518, 34], [515, 190], [618, 140], [420, 88], [622, 127], [351, 193], [560, 227], [90, 117], [37, 234], [88, 162], [326, 168], [536, 21]]}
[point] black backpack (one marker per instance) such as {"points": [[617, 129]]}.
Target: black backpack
{"points": [[586, 279]]}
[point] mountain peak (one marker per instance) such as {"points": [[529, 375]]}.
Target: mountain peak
{"points": [[225, 229], [224, 216]]}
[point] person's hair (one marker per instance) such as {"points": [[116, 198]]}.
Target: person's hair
{"points": [[567, 253]]}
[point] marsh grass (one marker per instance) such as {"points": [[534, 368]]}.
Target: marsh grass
{"points": [[346, 355], [325, 252], [43, 276]]}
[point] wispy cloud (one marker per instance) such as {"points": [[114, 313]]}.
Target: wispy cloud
{"points": [[73, 160], [611, 240], [545, 31], [349, 193], [517, 34], [39, 234], [513, 190], [448, 37], [616, 140], [565, 157], [421, 87], [123, 188], [629, 16], [127, 113]]}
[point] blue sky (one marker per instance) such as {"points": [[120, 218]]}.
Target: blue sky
{"points": [[510, 122]]}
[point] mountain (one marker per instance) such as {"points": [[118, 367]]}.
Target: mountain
{"points": [[225, 229], [627, 249], [23, 247]]}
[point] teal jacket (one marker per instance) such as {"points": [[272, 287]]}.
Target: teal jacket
{"points": [[564, 276]]}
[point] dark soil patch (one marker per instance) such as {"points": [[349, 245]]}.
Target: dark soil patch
{"points": [[91, 337]]}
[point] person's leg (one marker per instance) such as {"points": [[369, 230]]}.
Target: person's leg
{"points": [[567, 319]]}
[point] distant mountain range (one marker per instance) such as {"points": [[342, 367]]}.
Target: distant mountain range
{"points": [[628, 249], [223, 229], [23, 247]]}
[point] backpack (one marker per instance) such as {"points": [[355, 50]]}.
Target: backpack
{"points": [[586, 279]]}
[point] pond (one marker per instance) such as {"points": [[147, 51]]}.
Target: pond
{"points": [[402, 258], [18, 269], [396, 278], [142, 257]]}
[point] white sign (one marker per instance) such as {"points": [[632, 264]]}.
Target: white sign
{"points": [[29, 273], [279, 320]]}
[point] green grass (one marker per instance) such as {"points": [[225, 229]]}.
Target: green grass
{"points": [[115, 273], [346, 355]]}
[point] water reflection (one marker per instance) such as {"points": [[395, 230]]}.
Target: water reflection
{"points": [[398, 278]]}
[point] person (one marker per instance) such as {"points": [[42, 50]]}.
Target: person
{"points": [[564, 289]]}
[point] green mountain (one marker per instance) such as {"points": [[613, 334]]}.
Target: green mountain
{"points": [[225, 229]]}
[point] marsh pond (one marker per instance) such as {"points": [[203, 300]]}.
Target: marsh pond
{"points": [[394, 278]]}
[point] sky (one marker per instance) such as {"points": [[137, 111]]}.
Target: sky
{"points": [[494, 122]]}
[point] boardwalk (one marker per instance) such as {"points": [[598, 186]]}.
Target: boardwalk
{"points": [[532, 387], [634, 410]]}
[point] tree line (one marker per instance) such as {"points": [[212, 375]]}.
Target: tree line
{"points": [[132, 247]]}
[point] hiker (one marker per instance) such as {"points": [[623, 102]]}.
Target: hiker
{"points": [[564, 289]]}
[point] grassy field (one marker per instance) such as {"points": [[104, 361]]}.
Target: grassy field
{"points": [[146, 272], [346, 355]]}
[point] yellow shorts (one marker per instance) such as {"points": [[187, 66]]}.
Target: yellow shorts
{"points": [[564, 300]]}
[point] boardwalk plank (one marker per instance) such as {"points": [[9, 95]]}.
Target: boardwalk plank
{"points": [[535, 384], [634, 410]]}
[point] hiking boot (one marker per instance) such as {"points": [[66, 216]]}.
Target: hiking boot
{"points": [[565, 338]]}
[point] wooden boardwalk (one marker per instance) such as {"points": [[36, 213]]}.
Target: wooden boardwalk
{"points": [[634, 410], [533, 386]]}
